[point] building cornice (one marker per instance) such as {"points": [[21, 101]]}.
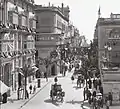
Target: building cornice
{"points": [[29, 3], [52, 9], [107, 21]]}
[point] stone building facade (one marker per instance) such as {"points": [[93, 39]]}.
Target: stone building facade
{"points": [[17, 33], [107, 34], [52, 26]]}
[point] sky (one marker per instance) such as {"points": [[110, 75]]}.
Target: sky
{"points": [[84, 13]]}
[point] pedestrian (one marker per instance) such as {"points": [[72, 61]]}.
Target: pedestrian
{"points": [[72, 78], [90, 83], [99, 82], [87, 93], [89, 97], [95, 83], [45, 76], [65, 70], [34, 89], [110, 98], [101, 103], [55, 79], [27, 94], [4, 100], [82, 104], [107, 103], [94, 103], [83, 81], [94, 93], [101, 90], [30, 87], [84, 94]]}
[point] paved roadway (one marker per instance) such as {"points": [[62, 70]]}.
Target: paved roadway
{"points": [[72, 100]]}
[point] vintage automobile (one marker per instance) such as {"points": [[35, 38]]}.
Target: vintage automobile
{"points": [[56, 93]]}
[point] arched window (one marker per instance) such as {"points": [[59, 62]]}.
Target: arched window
{"points": [[115, 33], [8, 43]]}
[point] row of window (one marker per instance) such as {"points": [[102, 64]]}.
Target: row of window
{"points": [[21, 20], [115, 36], [29, 45], [61, 25], [22, 4], [10, 46]]}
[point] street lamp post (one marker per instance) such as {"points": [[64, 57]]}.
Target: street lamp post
{"points": [[1, 6], [0, 58], [61, 52], [0, 36], [26, 75], [108, 48], [25, 70]]}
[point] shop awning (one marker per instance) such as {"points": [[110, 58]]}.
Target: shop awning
{"points": [[3, 88]]}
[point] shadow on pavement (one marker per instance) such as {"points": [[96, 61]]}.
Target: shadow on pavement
{"points": [[86, 105], [60, 76], [83, 105], [50, 101], [76, 87], [74, 102], [12, 100]]}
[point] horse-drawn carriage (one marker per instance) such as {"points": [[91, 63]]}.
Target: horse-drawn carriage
{"points": [[56, 93]]}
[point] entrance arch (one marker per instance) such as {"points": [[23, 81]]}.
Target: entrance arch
{"points": [[7, 74]]}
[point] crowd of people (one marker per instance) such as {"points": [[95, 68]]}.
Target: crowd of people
{"points": [[93, 92]]}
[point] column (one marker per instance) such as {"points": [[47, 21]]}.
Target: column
{"points": [[0, 41], [0, 11], [0, 57]]}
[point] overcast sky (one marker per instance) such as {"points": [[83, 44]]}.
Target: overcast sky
{"points": [[84, 13]]}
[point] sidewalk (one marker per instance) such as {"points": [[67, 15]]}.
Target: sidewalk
{"points": [[13, 103], [111, 107]]}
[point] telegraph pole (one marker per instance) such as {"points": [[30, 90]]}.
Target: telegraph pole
{"points": [[25, 73], [0, 38], [0, 56]]}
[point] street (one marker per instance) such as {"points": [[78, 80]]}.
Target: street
{"points": [[72, 100]]}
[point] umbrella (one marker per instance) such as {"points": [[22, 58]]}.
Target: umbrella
{"points": [[35, 68], [3, 88], [98, 94]]}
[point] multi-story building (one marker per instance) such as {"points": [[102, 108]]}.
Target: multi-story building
{"points": [[17, 33], [71, 32], [107, 35], [52, 26], [76, 38], [52, 23]]}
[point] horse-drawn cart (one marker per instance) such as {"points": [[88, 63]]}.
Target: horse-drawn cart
{"points": [[56, 93]]}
